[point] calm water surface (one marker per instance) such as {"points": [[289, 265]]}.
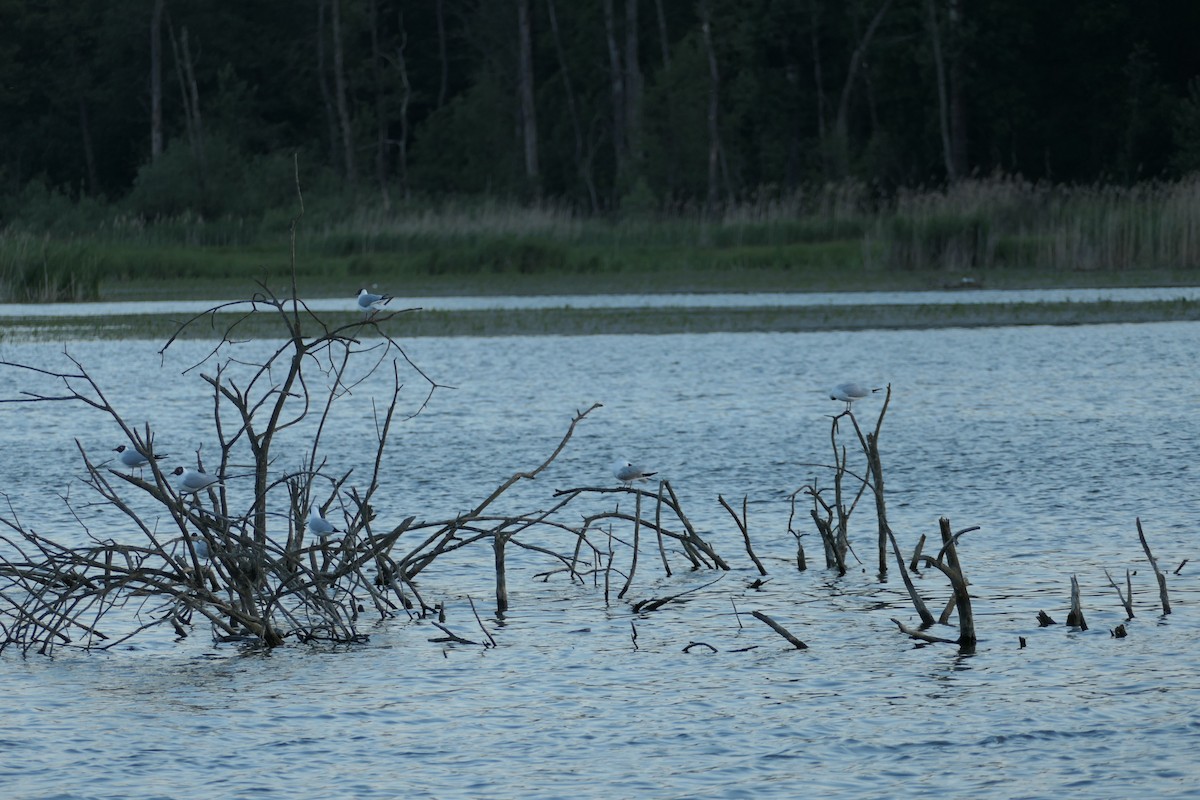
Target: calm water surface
{"points": [[1052, 440]]}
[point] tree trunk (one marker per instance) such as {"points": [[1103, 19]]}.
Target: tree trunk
{"points": [[819, 82], [714, 98], [633, 89], [190, 97], [156, 129], [668, 112], [442, 60], [528, 109], [842, 123], [405, 98], [617, 80], [193, 93], [89, 154], [663, 39], [958, 108], [188, 124], [939, 66], [323, 82], [582, 165], [339, 86], [381, 126]]}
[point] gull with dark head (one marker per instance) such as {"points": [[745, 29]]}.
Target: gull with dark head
{"points": [[849, 392], [132, 457], [371, 302], [627, 472], [191, 481]]}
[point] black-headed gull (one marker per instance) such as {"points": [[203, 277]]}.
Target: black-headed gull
{"points": [[849, 392], [200, 545], [318, 525], [192, 481], [132, 457], [368, 301], [626, 472]]}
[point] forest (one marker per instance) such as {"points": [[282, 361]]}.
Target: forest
{"points": [[597, 105]]}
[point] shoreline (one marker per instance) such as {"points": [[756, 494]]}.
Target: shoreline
{"points": [[561, 321]]}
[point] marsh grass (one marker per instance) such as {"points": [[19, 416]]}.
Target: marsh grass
{"points": [[1002, 230]]}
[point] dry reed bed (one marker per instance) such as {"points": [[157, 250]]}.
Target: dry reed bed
{"points": [[971, 227]]}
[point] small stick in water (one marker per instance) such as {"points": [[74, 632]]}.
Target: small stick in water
{"points": [[782, 631]]}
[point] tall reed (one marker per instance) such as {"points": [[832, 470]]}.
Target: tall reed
{"points": [[974, 226]]}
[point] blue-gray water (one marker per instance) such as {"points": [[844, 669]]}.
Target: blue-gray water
{"points": [[1052, 440]]}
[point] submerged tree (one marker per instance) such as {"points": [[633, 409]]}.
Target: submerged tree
{"points": [[266, 565]]}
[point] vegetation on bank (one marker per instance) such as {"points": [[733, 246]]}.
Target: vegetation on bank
{"points": [[414, 322], [995, 232]]}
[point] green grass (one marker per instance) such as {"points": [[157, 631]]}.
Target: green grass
{"points": [[587, 321]]}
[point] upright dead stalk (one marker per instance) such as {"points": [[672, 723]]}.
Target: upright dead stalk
{"points": [[1158, 574], [743, 526], [1075, 616], [1126, 597], [951, 567]]}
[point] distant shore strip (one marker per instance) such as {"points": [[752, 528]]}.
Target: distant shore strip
{"points": [[567, 321]]}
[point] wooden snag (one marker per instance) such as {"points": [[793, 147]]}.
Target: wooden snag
{"points": [[1075, 617], [782, 631], [1158, 574]]}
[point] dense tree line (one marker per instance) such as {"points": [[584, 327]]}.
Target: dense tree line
{"points": [[603, 104]]}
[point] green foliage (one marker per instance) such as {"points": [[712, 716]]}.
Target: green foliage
{"points": [[467, 146], [44, 270], [74, 78], [212, 180], [639, 201], [1185, 131], [37, 206], [675, 123], [502, 255]]}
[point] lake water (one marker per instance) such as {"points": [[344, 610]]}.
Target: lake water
{"points": [[1052, 440]]}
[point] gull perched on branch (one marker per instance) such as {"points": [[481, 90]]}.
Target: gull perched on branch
{"points": [[849, 392], [368, 301], [132, 457], [318, 525], [627, 473], [192, 481]]}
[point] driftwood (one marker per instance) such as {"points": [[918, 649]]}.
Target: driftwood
{"points": [[1127, 595], [916, 557], [743, 523], [782, 631], [1075, 616], [655, 603], [1158, 574], [924, 636], [960, 601], [801, 560], [918, 603]]}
